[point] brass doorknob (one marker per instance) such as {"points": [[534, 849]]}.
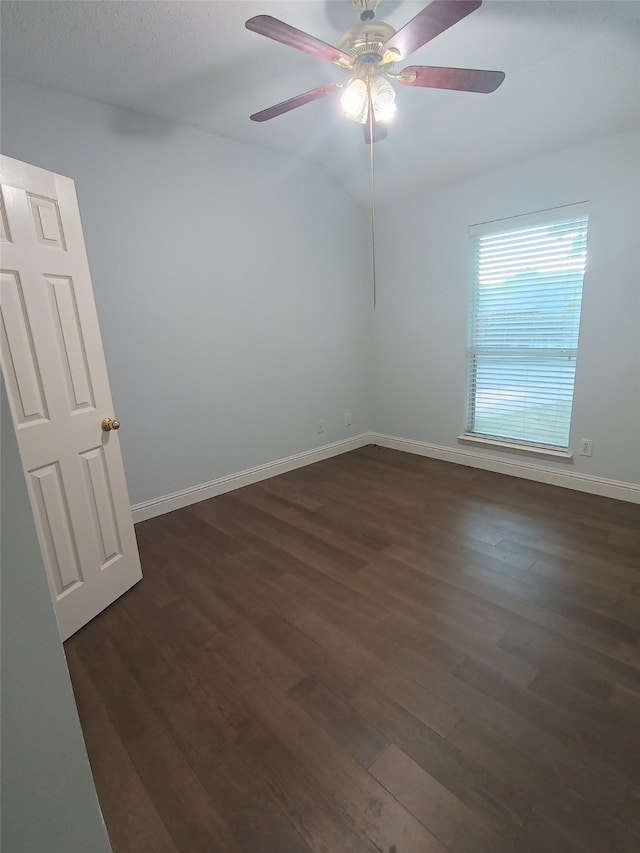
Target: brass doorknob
{"points": [[109, 424]]}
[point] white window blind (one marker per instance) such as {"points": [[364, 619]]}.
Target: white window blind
{"points": [[526, 293]]}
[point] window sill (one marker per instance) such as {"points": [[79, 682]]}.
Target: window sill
{"points": [[529, 450]]}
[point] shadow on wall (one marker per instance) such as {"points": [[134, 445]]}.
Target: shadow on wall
{"points": [[128, 123], [202, 98]]}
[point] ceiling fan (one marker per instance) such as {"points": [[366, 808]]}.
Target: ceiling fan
{"points": [[368, 51]]}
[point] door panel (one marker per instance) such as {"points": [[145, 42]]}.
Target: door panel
{"points": [[64, 310], [5, 234], [57, 384], [100, 498], [45, 214], [56, 531], [22, 369]]}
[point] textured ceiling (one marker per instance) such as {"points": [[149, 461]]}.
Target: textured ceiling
{"points": [[572, 74]]}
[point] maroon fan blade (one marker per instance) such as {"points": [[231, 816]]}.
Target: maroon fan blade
{"points": [[462, 79], [377, 132], [292, 103], [433, 20], [277, 30]]}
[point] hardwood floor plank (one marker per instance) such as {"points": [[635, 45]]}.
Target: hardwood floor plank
{"points": [[529, 706], [445, 629], [450, 820], [540, 835], [609, 734], [629, 810], [299, 541], [553, 786], [218, 542], [373, 810], [521, 601], [190, 720], [134, 823], [252, 644], [417, 594], [225, 519], [312, 810], [485, 793], [250, 808], [361, 546], [317, 815], [592, 671], [434, 711], [517, 726], [192, 819], [346, 727], [622, 697]]}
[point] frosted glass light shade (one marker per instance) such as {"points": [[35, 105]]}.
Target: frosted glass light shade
{"points": [[383, 98], [354, 101]]}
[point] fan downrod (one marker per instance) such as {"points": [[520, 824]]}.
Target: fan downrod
{"points": [[365, 8]]}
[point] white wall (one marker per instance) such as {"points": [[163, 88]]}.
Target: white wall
{"points": [[420, 322], [49, 801], [231, 285]]}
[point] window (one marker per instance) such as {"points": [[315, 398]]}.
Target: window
{"points": [[526, 291]]}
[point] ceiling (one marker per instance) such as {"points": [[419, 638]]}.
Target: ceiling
{"points": [[572, 74]]}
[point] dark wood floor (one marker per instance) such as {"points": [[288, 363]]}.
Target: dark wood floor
{"points": [[379, 652]]}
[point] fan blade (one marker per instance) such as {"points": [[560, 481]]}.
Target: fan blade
{"points": [[433, 20], [379, 131], [277, 30], [298, 101], [462, 79]]}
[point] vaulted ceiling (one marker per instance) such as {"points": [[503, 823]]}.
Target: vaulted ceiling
{"points": [[572, 74]]}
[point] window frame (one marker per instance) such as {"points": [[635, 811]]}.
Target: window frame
{"points": [[553, 216]]}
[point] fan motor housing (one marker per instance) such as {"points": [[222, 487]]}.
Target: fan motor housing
{"points": [[366, 39]]}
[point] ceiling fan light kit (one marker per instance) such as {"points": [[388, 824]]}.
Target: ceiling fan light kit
{"points": [[363, 91], [368, 50]]}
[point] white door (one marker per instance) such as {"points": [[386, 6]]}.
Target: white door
{"points": [[56, 378]]}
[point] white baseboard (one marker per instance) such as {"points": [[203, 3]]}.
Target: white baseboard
{"points": [[541, 474], [185, 497], [461, 456]]}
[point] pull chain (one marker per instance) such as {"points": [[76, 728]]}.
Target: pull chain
{"points": [[373, 199]]}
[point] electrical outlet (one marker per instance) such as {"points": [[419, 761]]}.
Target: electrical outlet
{"points": [[347, 418], [586, 447], [320, 426]]}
